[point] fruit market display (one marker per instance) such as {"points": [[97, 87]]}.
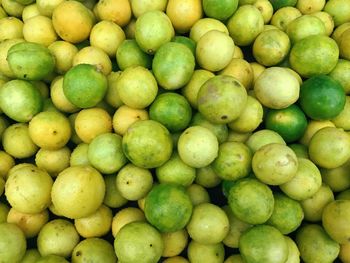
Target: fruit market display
{"points": [[202, 131]]}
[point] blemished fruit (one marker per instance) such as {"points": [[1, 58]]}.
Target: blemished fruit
{"points": [[174, 131]]}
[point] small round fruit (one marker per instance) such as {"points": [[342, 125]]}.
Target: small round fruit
{"points": [[84, 85], [12, 242], [147, 144], [138, 242], [221, 99], [78, 191], [209, 224], [94, 249], [168, 207], [263, 243]]}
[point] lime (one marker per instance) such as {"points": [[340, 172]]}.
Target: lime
{"points": [[105, 153], [339, 10], [266, 9], [240, 69], [30, 61], [20, 100], [220, 10], [71, 191], [118, 11], [152, 30], [173, 65], [245, 25], [197, 146], [341, 73], [283, 16], [64, 53], [263, 243], [198, 194], [276, 88], [287, 214], [251, 201], [305, 183], [221, 99], [28, 189], [51, 259], [53, 161], [330, 153], [250, 118], [214, 50], [204, 25], [147, 144], [263, 137], [140, 7], [198, 253], [233, 161], [31, 256], [271, 47], [168, 207], [334, 218], [326, 19], [277, 4], [300, 150], [113, 197], [220, 130], [308, 56], [12, 242], [188, 42], [84, 85], [11, 28], [39, 29], [130, 54], [93, 249], [322, 97], [58, 237], [207, 177], [174, 242], [237, 227], [184, 14], [313, 206], [304, 26], [337, 178], [209, 224], [172, 110], [176, 171], [275, 164], [134, 182], [50, 130], [289, 122], [315, 245]]}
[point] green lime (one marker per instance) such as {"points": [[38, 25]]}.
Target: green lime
{"points": [[147, 144], [20, 100], [173, 65], [314, 55], [233, 161], [176, 171], [105, 153], [315, 245], [263, 137], [322, 97], [188, 42], [289, 122], [84, 85], [51, 259], [30, 61], [341, 73], [93, 250], [209, 224], [221, 99], [172, 110], [168, 207], [12, 242], [287, 214], [251, 201], [220, 9], [138, 242], [328, 153], [277, 4], [198, 253], [263, 243], [300, 150], [339, 10], [130, 54], [304, 26], [152, 30]]}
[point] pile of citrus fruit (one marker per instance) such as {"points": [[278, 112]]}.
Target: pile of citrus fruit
{"points": [[202, 131]]}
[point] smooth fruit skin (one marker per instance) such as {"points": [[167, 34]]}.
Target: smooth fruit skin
{"points": [[12, 242], [314, 55], [263, 243], [322, 97]]}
